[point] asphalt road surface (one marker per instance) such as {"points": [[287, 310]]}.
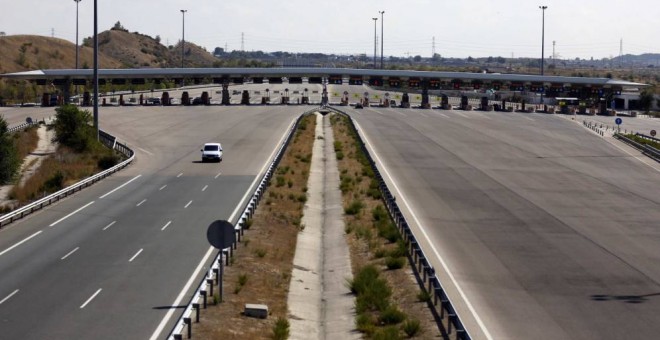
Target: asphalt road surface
{"points": [[546, 230], [111, 261]]}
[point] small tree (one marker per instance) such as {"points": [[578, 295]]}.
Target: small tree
{"points": [[646, 100], [72, 128], [9, 162]]}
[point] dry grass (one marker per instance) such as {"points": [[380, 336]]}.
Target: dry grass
{"points": [[366, 246], [26, 141], [261, 267], [62, 169]]}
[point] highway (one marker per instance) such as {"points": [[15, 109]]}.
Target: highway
{"points": [[546, 230], [112, 260]]}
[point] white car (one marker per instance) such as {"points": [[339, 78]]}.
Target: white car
{"points": [[212, 152]]}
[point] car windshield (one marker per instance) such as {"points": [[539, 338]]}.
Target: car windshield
{"points": [[210, 148]]}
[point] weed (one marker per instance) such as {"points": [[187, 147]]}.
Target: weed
{"points": [[423, 296], [248, 223], [391, 316], [302, 198], [242, 279], [365, 323], [290, 183], [280, 181], [354, 208], [281, 329], [412, 328], [260, 252], [372, 292], [387, 333], [395, 262]]}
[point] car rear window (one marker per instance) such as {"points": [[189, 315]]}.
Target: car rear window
{"points": [[210, 148]]}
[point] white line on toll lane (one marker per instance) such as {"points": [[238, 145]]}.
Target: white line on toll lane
{"points": [[8, 297], [205, 187], [426, 236], [21, 242], [179, 175], [110, 225], [71, 252], [121, 186], [145, 151], [163, 187], [71, 214], [187, 205], [139, 204], [136, 255], [218, 175], [90, 299], [166, 225]]}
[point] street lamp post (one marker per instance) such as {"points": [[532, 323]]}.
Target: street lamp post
{"points": [[77, 1], [543, 8], [183, 34], [96, 70], [375, 41], [381, 37]]}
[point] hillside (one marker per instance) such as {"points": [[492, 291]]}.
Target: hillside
{"points": [[29, 52]]}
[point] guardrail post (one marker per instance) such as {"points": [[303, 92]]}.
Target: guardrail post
{"points": [[216, 272], [188, 324], [196, 307], [203, 293], [209, 282]]}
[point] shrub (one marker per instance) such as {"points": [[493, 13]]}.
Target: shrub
{"points": [[395, 262], [391, 316], [280, 181], [9, 159], [73, 129], [365, 324], [354, 208], [108, 161], [372, 292], [387, 333], [340, 155], [242, 279], [411, 328], [260, 252], [423, 296], [54, 183], [281, 329]]}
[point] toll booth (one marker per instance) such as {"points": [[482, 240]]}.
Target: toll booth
{"points": [[603, 108], [87, 99], [141, 99], [205, 98], [165, 99], [225, 94], [245, 98], [444, 102], [425, 98], [121, 100], [582, 108], [344, 99], [405, 101], [484, 104], [464, 103], [324, 97], [185, 98]]}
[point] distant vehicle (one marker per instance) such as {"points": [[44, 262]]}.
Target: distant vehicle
{"points": [[358, 105], [212, 152], [153, 101]]}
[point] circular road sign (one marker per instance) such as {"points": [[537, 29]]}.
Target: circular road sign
{"points": [[652, 133], [618, 121]]}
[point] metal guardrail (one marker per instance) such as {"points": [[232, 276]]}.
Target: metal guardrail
{"points": [[21, 127], [107, 139], [420, 260], [645, 149], [207, 282], [653, 139]]}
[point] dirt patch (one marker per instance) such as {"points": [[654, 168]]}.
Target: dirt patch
{"points": [[261, 267]]}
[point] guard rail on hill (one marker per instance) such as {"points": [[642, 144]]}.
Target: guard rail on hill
{"points": [[421, 264], [213, 276], [645, 149], [20, 127], [108, 140]]}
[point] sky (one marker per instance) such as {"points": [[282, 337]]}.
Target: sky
{"points": [[461, 28]]}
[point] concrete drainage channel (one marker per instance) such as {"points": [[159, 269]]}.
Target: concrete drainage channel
{"points": [[213, 276], [442, 306]]}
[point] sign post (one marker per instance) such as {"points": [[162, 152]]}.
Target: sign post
{"points": [[221, 234], [618, 122]]}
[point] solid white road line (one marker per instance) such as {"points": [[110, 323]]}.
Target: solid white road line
{"points": [[121, 186], [218, 175], [71, 214], [187, 205], [166, 225], [90, 299], [19, 243], [71, 252], [8, 297], [205, 187], [426, 236], [179, 175], [110, 225], [177, 301], [163, 187], [139, 204], [145, 151], [136, 255]]}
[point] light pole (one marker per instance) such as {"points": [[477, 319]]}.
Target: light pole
{"points": [[381, 37], [375, 40], [96, 70], [543, 8], [77, 1], [183, 34]]}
